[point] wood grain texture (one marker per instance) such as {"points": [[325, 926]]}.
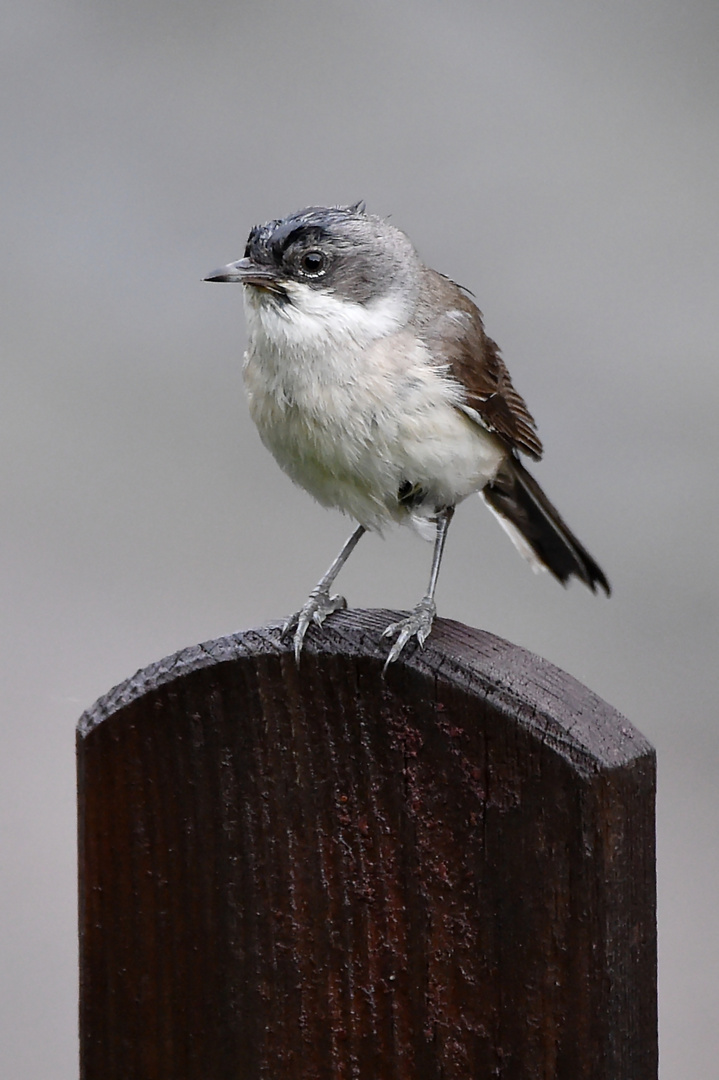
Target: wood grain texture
{"points": [[320, 873]]}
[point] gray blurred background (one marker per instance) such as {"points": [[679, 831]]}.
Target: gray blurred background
{"points": [[562, 161]]}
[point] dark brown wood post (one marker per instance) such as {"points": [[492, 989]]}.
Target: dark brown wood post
{"points": [[321, 873]]}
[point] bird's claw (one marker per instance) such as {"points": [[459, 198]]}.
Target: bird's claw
{"points": [[418, 624], [318, 606]]}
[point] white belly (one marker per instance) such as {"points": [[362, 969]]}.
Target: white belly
{"points": [[353, 423]]}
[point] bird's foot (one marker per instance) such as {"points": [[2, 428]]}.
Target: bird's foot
{"points": [[318, 606], [418, 624]]}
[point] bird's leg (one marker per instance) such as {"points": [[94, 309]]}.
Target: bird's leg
{"points": [[419, 623], [319, 603]]}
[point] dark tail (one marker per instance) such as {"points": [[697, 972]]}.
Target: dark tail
{"points": [[537, 529]]}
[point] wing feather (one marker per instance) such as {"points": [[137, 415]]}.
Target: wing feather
{"points": [[457, 338]]}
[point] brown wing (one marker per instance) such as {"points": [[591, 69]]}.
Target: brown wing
{"points": [[457, 338]]}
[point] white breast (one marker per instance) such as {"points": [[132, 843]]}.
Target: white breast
{"points": [[351, 406]]}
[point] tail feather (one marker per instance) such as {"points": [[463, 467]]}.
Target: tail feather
{"points": [[537, 528]]}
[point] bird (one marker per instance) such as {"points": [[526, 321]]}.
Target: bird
{"points": [[374, 385]]}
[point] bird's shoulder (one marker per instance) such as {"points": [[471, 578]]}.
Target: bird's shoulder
{"points": [[450, 324]]}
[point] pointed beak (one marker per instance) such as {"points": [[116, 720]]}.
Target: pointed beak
{"points": [[247, 273]]}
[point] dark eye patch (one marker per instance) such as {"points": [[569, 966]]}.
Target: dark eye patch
{"points": [[313, 261]]}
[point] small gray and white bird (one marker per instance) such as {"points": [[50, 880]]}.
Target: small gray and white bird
{"points": [[372, 382]]}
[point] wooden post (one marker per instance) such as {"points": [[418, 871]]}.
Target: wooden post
{"points": [[321, 873]]}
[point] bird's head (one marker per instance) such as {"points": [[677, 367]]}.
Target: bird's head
{"points": [[340, 252]]}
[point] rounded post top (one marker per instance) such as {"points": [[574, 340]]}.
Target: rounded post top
{"points": [[564, 714]]}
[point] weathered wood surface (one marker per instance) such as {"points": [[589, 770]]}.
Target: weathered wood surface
{"points": [[321, 873]]}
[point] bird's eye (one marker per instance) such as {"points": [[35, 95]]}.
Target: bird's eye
{"points": [[313, 262]]}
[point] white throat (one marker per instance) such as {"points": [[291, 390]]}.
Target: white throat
{"points": [[314, 321]]}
